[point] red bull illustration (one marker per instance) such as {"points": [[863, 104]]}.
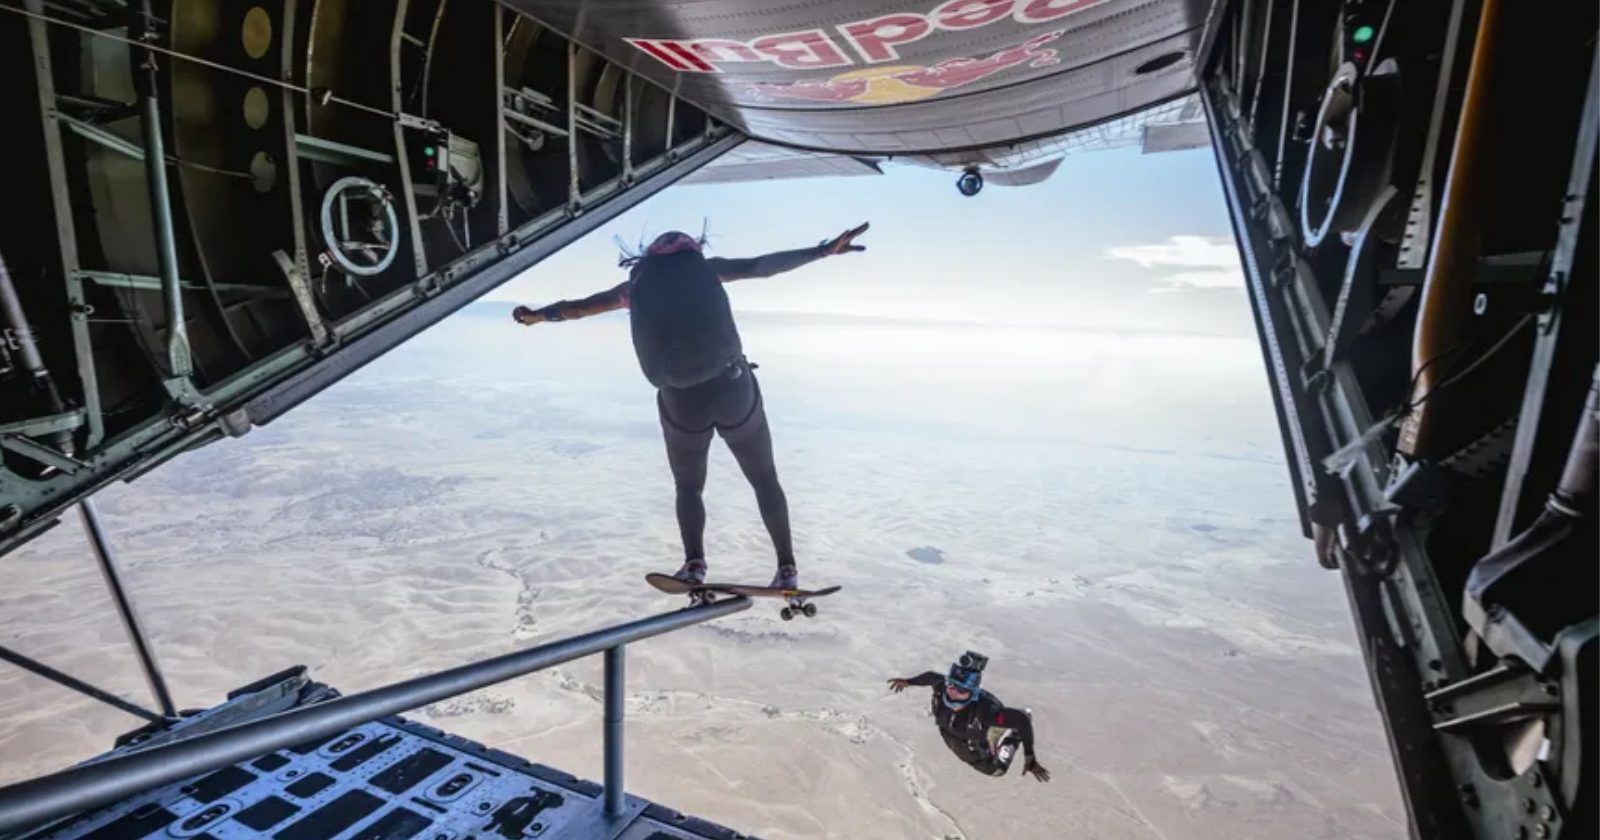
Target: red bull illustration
{"points": [[896, 84], [812, 73], [874, 40]]}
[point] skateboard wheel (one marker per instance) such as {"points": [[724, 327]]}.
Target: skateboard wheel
{"points": [[786, 613], [810, 610]]}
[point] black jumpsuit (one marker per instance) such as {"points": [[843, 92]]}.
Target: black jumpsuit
{"points": [[729, 404], [689, 348], [966, 731]]}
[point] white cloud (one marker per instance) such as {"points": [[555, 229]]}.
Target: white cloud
{"points": [[1207, 262]]}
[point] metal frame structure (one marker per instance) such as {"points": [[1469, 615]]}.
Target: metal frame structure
{"points": [[101, 543], [37, 801], [612, 155], [67, 680], [337, 341], [1287, 311], [1514, 501], [1481, 712]]}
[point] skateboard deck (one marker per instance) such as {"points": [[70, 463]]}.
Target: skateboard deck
{"points": [[797, 598]]}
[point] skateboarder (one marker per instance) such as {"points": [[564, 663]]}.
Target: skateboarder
{"points": [[689, 349], [975, 725]]}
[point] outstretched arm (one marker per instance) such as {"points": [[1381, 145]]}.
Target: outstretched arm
{"points": [[566, 310], [729, 270], [744, 268], [926, 678]]}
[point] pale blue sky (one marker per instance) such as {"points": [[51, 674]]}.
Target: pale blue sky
{"points": [[1115, 239]]}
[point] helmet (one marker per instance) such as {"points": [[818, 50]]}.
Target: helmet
{"points": [[672, 242], [966, 674]]}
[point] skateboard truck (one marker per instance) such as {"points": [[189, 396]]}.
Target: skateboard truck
{"points": [[798, 605], [796, 601]]}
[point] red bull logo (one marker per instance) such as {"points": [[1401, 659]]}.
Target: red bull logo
{"points": [[895, 84], [872, 41]]}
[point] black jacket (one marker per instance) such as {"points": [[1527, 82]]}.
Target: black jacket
{"points": [[965, 730]]}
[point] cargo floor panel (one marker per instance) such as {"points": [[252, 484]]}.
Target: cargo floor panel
{"points": [[386, 780]]}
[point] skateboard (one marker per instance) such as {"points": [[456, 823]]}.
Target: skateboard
{"points": [[797, 599]]}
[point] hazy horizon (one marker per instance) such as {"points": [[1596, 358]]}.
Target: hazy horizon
{"points": [[1113, 238], [489, 308]]}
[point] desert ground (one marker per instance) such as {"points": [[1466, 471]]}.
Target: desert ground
{"points": [[1105, 514]]}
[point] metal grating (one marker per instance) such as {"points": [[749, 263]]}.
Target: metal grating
{"points": [[386, 780]]}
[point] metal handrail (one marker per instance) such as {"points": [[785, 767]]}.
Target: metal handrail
{"points": [[78, 789]]}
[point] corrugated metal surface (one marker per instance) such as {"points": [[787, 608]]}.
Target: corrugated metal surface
{"points": [[900, 77], [756, 161]]}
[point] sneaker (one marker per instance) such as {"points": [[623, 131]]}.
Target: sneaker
{"points": [[786, 578], [693, 571]]}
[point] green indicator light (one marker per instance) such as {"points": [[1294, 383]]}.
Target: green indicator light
{"points": [[1363, 34], [427, 151]]}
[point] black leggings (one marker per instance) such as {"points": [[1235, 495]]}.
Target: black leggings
{"points": [[731, 406]]}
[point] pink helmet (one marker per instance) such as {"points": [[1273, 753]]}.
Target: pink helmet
{"points": [[672, 242]]}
